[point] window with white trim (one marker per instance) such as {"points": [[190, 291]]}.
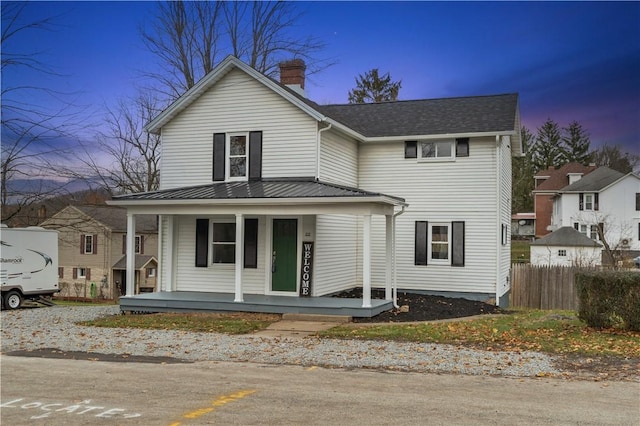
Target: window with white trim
{"points": [[88, 244], [439, 243], [82, 272], [151, 272], [237, 165], [439, 247], [223, 244], [437, 150], [588, 201]]}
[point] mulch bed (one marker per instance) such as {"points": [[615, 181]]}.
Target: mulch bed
{"points": [[422, 307]]}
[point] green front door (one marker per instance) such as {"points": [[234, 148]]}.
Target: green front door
{"points": [[284, 255]]}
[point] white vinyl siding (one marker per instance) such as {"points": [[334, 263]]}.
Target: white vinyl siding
{"points": [[238, 103], [437, 192], [214, 278], [505, 216], [335, 254], [338, 159]]}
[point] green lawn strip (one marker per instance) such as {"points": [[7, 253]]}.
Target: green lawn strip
{"points": [[558, 332], [208, 323]]}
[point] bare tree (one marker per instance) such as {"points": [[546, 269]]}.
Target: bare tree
{"points": [[32, 131], [188, 38], [129, 158]]}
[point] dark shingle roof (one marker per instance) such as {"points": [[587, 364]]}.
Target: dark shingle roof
{"points": [[566, 236], [279, 188], [559, 178], [595, 181], [115, 218], [429, 116]]}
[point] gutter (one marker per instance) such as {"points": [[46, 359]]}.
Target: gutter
{"points": [[394, 280], [318, 140]]}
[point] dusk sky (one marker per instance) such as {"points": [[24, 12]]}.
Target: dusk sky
{"points": [[568, 61]]}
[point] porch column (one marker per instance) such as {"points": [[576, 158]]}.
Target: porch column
{"points": [[131, 254], [388, 254], [239, 256], [168, 280], [366, 261]]}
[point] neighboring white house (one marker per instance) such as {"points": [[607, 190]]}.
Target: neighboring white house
{"points": [[264, 192], [566, 247], [603, 203]]}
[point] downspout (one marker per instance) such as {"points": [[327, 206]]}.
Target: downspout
{"points": [[318, 140], [393, 259], [498, 212]]}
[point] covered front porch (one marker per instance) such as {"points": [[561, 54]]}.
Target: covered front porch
{"points": [[191, 301]]}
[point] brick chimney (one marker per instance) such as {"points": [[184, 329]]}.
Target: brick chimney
{"points": [[292, 74]]}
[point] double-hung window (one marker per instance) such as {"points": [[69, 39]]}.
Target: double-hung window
{"points": [[88, 244], [439, 243], [238, 163], [224, 242]]}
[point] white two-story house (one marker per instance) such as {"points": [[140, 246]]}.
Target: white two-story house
{"points": [[269, 201], [604, 206]]}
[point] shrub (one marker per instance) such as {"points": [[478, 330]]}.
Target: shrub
{"points": [[609, 299]]}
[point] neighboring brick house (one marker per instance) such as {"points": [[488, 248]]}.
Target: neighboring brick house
{"points": [[548, 184], [91, 247]]}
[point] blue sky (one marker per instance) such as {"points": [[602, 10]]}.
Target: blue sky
{"points": [[567, 60]]}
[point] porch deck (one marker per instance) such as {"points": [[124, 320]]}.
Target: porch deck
{"points": [[191, 301]]}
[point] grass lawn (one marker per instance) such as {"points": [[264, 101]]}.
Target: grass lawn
{"points": [[520, 251], [557, 332], [232, 323]]}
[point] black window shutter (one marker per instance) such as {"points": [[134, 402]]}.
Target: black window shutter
{"points": [[637, 201], [255, 155], [411, 149], [421, 242], [457, 240], [88, 273], [581, 203], [202, 242], [219, 156], [124, 244], [75, 273], [95, 243], [82, 245], [141, 244], [462, 147], [596, 201], [251, 243]]}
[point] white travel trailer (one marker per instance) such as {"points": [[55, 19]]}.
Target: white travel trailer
{"points": [[29, 264]]}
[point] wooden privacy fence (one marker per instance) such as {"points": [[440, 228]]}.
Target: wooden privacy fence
{"points": [[544, 287]]}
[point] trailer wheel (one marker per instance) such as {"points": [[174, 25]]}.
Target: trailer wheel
{"points": [[13, 300]]}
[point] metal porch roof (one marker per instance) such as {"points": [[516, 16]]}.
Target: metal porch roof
{"points": [[264, 189]]}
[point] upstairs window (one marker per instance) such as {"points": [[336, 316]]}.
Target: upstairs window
{"points": [[237, 156], [437, 150], [238, 159], [88, 244], [588, 202]]}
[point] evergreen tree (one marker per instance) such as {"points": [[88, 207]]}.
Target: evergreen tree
{"points": [[547, 150], [575, 144], [371, 87], [522, 175]]}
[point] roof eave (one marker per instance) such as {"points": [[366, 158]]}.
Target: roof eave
{"points": [[397, 138], [381, 199]]}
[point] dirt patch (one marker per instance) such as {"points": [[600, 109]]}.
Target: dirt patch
{"points": [[422, 307]]}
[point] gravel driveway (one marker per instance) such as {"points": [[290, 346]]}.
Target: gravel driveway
{"points": [[53, 327]]}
